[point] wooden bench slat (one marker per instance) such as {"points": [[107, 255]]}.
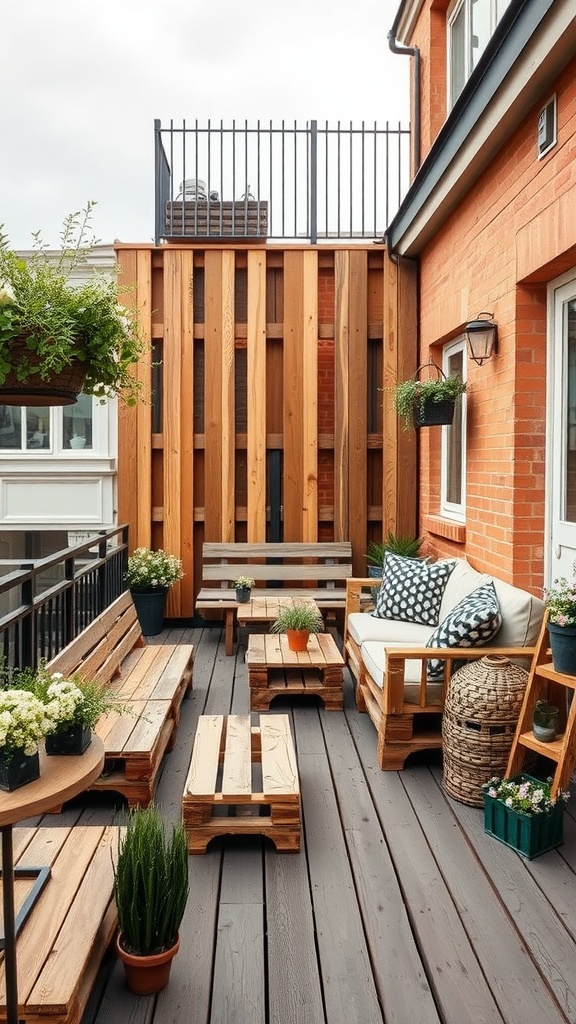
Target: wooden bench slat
{"points": [[271, 549], [290, 571], [237, 772], [279, 766], [203, 770]]}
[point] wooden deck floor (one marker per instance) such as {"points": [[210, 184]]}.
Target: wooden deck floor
{"points": [[398, 909]]}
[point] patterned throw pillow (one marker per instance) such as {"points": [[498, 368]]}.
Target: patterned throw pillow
{"points": [[412, 590], [473, 622]]}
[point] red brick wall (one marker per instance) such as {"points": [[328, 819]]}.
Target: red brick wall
{"points": [[508, 225]]}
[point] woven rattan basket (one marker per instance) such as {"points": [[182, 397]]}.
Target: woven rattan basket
{"points": [[480, 715]]}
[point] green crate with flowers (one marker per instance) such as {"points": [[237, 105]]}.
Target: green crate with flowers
{"points": [[520, 812]]}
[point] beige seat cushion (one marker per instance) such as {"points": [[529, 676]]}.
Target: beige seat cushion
{"points": [[362, 627], [374, 658]]}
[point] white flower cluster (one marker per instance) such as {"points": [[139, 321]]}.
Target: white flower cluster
{"points": [[24, 720], [148, 569], [63, 699]]}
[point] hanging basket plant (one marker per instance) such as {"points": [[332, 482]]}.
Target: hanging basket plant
{"points": [[429, 402], [57, 337]]}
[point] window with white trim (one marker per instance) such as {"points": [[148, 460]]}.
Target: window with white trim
{"points": [[40, 430], [453, 458], [471, 23]]}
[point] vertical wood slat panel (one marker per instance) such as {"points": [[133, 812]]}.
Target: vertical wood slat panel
{"points": [[357, 407], [400, 473], [187, 436], [213, 371], [293, 497], [341, 395], [171, 477], [228, 468], [256, 374], [310, 396]]}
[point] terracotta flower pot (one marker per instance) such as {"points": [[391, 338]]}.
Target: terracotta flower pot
{"points": [[146, 975], [298, 639]]}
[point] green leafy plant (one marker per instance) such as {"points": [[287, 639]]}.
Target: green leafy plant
{"points": [[243, 582], [527, 795], [417, 392], [58, 321], [301, 616], [148, 569], [409, 547], [150, 882], [560, 599]]}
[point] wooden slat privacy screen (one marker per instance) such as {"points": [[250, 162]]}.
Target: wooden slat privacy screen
{"points": [[267, 418]]}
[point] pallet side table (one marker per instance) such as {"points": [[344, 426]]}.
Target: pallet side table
{"points": [[274, 670], [248, 771]]}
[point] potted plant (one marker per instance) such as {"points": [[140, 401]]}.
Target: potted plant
{"points": [[560, 600], [409, 547], [426, 403], [57, 337], [149, 575], [23, 723], [521, 813], [243, 586], [150, 889], [298, 622], [72, 706]]}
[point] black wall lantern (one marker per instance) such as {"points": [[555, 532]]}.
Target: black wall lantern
{"points": [[482, 338]]}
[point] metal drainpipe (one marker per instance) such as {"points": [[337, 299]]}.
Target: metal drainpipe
{"points": [[411, 51]]}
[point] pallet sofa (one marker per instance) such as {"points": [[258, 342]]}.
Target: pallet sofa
{"points": [[389, 658], [316, 570], [150, 679]]}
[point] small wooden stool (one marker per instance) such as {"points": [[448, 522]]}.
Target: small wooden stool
{"points": [[250, 772]]}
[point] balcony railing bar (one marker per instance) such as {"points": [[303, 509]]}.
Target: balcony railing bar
{"points": [[285, 182]]}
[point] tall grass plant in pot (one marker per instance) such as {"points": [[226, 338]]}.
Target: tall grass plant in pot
{"points": [[298, 623], [151, 890]]}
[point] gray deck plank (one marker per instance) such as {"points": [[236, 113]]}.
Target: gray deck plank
{"points": [[322, 937]]}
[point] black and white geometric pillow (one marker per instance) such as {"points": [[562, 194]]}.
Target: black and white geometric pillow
{"points": [[412, 590], [473, 622]]}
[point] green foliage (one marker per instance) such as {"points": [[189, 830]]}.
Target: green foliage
{"points": [[59, 321], [524, 793], [409, 547], [410, 392], [560, 599], [73, 701], [301, 616], [243, 582], [150, 881], [147, 568]]}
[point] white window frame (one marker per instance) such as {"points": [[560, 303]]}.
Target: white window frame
{"points": [[450, 509], [495, 12], [100, 437]]}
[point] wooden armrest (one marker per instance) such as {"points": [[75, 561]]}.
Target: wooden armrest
{"points": [[455, 653]]}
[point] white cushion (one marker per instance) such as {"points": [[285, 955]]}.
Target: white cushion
{"points": [[374, 658], [362, 626], [522, 616]]}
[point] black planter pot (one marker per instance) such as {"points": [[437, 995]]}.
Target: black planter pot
{"points": [[73, 740], [18, 770], [433, 414], [243, 594], [150, 606]]}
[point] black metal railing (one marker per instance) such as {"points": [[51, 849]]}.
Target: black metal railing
{"points": [[39, 617], [278, 182]]}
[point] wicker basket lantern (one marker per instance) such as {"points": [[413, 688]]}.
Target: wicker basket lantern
{"points": [[480, 715]]}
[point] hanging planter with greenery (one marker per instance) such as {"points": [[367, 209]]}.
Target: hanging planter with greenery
{"points": [[427, 403], [58, 338]]}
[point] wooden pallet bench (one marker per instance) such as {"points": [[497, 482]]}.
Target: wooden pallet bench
{"points": [[316, 570], [243, 779], [150, 679], [274, 670], [63, 940]]}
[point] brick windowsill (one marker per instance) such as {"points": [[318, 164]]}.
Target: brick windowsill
{"points": [[455, 532]]}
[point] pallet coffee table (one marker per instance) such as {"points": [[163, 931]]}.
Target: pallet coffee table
{"points": [[274, 670], [267, 609], [243, 779]]}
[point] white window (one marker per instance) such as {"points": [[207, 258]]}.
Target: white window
{"points": [[453, 472], [42, 430], [471, 23]]}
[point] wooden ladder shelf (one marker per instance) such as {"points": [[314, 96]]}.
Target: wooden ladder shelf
{"points": [[545, 683]]}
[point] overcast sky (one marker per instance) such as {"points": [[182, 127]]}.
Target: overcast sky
{"points": [[83, 80]]}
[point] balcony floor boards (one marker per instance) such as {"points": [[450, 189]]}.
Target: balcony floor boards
{"points": [[398, 909]]}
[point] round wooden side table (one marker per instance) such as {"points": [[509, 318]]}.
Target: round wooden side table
{"points": [[61, 778]]}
